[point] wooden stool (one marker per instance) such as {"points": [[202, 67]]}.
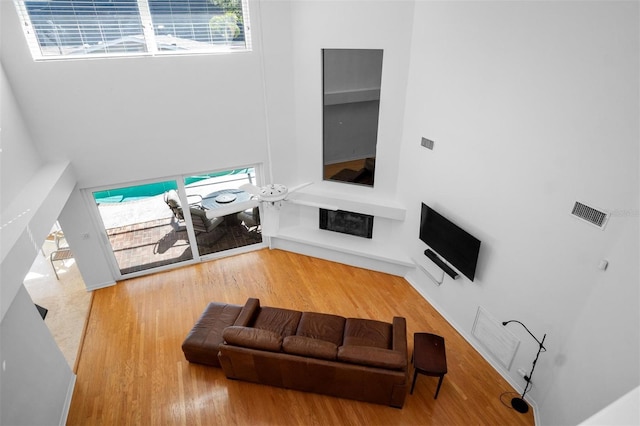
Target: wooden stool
{"points": [[429, 358]]}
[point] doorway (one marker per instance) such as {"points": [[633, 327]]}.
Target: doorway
{"points": [[65, 299]]}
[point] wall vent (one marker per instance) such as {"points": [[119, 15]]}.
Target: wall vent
{"points": [[589, 214], [427, 143]]}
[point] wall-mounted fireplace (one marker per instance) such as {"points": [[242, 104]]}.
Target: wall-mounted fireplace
{"points": [[345, 222]]}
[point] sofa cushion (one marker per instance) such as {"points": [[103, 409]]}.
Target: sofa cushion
{"points": [[281, 321], [201, 344], [325, 327], [366, 332], [373, 357], [307, 346], [254, 338]]}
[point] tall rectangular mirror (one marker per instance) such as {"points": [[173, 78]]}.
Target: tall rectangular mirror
{"points": [[351, 103]]}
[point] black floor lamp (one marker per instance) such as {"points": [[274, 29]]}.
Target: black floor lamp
{"points": [[519, 404]]}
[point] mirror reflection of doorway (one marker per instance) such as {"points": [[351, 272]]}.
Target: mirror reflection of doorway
{"points": [[351, 103]]}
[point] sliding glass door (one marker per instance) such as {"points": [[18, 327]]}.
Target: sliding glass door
{"points": [[148, 226], [224, 217], [143, 232]]}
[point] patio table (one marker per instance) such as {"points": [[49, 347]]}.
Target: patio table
{"points": [[228, 202]]}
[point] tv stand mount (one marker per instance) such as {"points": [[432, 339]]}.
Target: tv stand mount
{"points": [[436, 259]]}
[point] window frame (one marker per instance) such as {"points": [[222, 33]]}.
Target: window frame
{"points": [[148, 34]]}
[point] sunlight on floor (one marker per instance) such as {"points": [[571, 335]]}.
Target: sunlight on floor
{"points": [[33, 276], [66, 299]]}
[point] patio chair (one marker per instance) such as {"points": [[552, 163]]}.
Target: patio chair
{"points": [[173, 201], [61, 253], [250, 218], [202, 220], [60, 256]]}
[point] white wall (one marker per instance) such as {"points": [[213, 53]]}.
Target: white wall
{"points": [[622, 412], [315, 25], [121, 120], [35, 379], [24, 158], [275, 40], [37, 383], [349, 24], [603, 341], [532, 106]]}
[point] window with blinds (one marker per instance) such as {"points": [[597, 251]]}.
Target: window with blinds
{"points": [[58, 29]]}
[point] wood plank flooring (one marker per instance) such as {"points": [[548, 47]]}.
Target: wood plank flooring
{"points": [[132, 370], [332, 169]]}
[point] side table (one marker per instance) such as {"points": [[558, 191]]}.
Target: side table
{"points": [[429, 358]]}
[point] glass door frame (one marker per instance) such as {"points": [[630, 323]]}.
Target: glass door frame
{"points": [[191, 235]]}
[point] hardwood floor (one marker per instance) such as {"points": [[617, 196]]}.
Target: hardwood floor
{"points": [[132, 369]]}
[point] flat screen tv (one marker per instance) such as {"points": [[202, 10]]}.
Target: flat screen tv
{"points": [[452, 243]]}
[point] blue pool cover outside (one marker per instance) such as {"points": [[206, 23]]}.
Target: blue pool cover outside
{"points": [[132, 193]]}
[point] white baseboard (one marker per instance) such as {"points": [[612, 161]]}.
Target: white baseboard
{"points": [[67, 400], [353, 259], [101, 285]]}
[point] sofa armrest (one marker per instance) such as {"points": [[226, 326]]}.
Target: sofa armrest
{"points": [[399, 335], [248, 312]]}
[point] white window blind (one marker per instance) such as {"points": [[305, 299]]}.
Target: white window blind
{"points": [[83, 28]]}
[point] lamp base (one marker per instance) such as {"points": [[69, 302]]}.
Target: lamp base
{"points": [[519, 405]]}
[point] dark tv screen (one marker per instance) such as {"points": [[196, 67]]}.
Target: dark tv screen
{"points": [[451, 242]]}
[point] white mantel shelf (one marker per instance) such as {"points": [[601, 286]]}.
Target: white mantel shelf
{"points": [[374, 205], [364, 247]]}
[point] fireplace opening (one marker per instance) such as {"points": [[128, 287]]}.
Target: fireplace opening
{"points": [[346, 222]]}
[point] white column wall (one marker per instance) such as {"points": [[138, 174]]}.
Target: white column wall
{"points": [[533, 106], [35, 380]]}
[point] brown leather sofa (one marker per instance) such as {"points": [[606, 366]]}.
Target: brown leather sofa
{"points": [[352, 358]]}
